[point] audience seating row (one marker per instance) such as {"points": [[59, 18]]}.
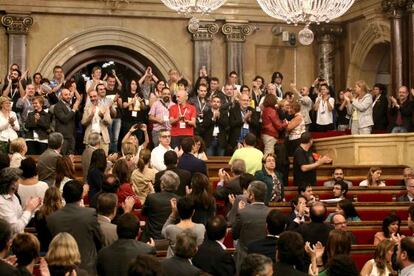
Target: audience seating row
{"points": [[362, 194]]}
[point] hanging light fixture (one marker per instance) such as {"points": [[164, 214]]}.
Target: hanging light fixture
{"points": [[305, 12], [193, 7]]}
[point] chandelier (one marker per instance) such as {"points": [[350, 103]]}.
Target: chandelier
{"points": [[193, 7], [305, 12]]}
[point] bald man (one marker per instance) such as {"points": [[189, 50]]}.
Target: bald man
{"points": [[182, 119]]}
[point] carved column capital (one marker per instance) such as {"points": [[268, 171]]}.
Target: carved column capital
{"points": [[410, 6], [205, 31], [395, 8], [327, 32], [17, 24], [235, 32]]}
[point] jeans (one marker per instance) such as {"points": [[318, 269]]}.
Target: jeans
{"points": [[114, 130], [399, 129], [155, 137], [214, 149]]}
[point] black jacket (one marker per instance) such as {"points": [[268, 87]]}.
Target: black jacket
{"points": [[213, 259], [236, 124], [41, 126], [64, 120], [209, 124], [157, 208], [380, 113], [407, 115]]}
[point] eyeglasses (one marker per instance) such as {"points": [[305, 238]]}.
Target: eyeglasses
{"points": [[165, 136]]}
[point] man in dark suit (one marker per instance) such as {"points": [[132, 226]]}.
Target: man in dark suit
{"points": [[114, 259], [80, 222], [300, 212], [188, 161], [409, 196], [289, 256], [276, 224], [211, 256], [157, 206], [94, 142], [250, 222], [65, 114], [216, 124], [170, 161], [243, 119], [401, 112], [185, 249], [106, 209], [317, 229], [47, 160], [227, 187], [5, 243]]}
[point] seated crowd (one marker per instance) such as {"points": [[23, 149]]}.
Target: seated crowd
{"points": [[130, 204]]}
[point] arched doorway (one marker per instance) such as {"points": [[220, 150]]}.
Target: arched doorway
{"points": [[144, 50], [127, 63], [370, 58], [376, 66]]}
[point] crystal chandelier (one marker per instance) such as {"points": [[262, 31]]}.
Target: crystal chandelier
{"points": [[306, 12], [193, 7]]}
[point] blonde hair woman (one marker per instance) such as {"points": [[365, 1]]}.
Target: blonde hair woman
{"points": [[380, 265], [8, 124], [18, 149], [360, 109], [144, 176], [63, 255]]}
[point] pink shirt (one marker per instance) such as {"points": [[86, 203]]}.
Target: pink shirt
{"points": [[160, 110]]}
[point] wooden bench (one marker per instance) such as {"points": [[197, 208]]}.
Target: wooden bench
{"points": [[362, 194], [366, 210]]}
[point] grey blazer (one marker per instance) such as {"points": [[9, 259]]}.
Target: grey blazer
{"points": [[47, 166], [108, 230], [364, 110], [83, 225]]}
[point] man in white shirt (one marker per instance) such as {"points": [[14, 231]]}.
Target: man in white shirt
{"points": [[157, 154], [10, 208]]}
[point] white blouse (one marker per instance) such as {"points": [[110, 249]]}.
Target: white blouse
{"points": [[8, 132]]}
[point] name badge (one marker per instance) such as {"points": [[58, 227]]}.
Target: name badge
{"points": [[216, 131], [46, 110], [246, 125], [146, 102], [165, 118], [182, 124], [258, 109], [134, 114]]}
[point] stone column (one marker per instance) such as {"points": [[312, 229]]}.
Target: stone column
{"points": [[236, 34], [410, 11], [395, 11], [17, 27], [202, 46], [326, 36]]}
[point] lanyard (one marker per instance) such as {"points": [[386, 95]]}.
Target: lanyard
{"points": [[179, 111], [201, 106]]}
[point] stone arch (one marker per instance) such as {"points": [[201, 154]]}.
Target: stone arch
{"points": [[375, 33], [107, 36]]}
